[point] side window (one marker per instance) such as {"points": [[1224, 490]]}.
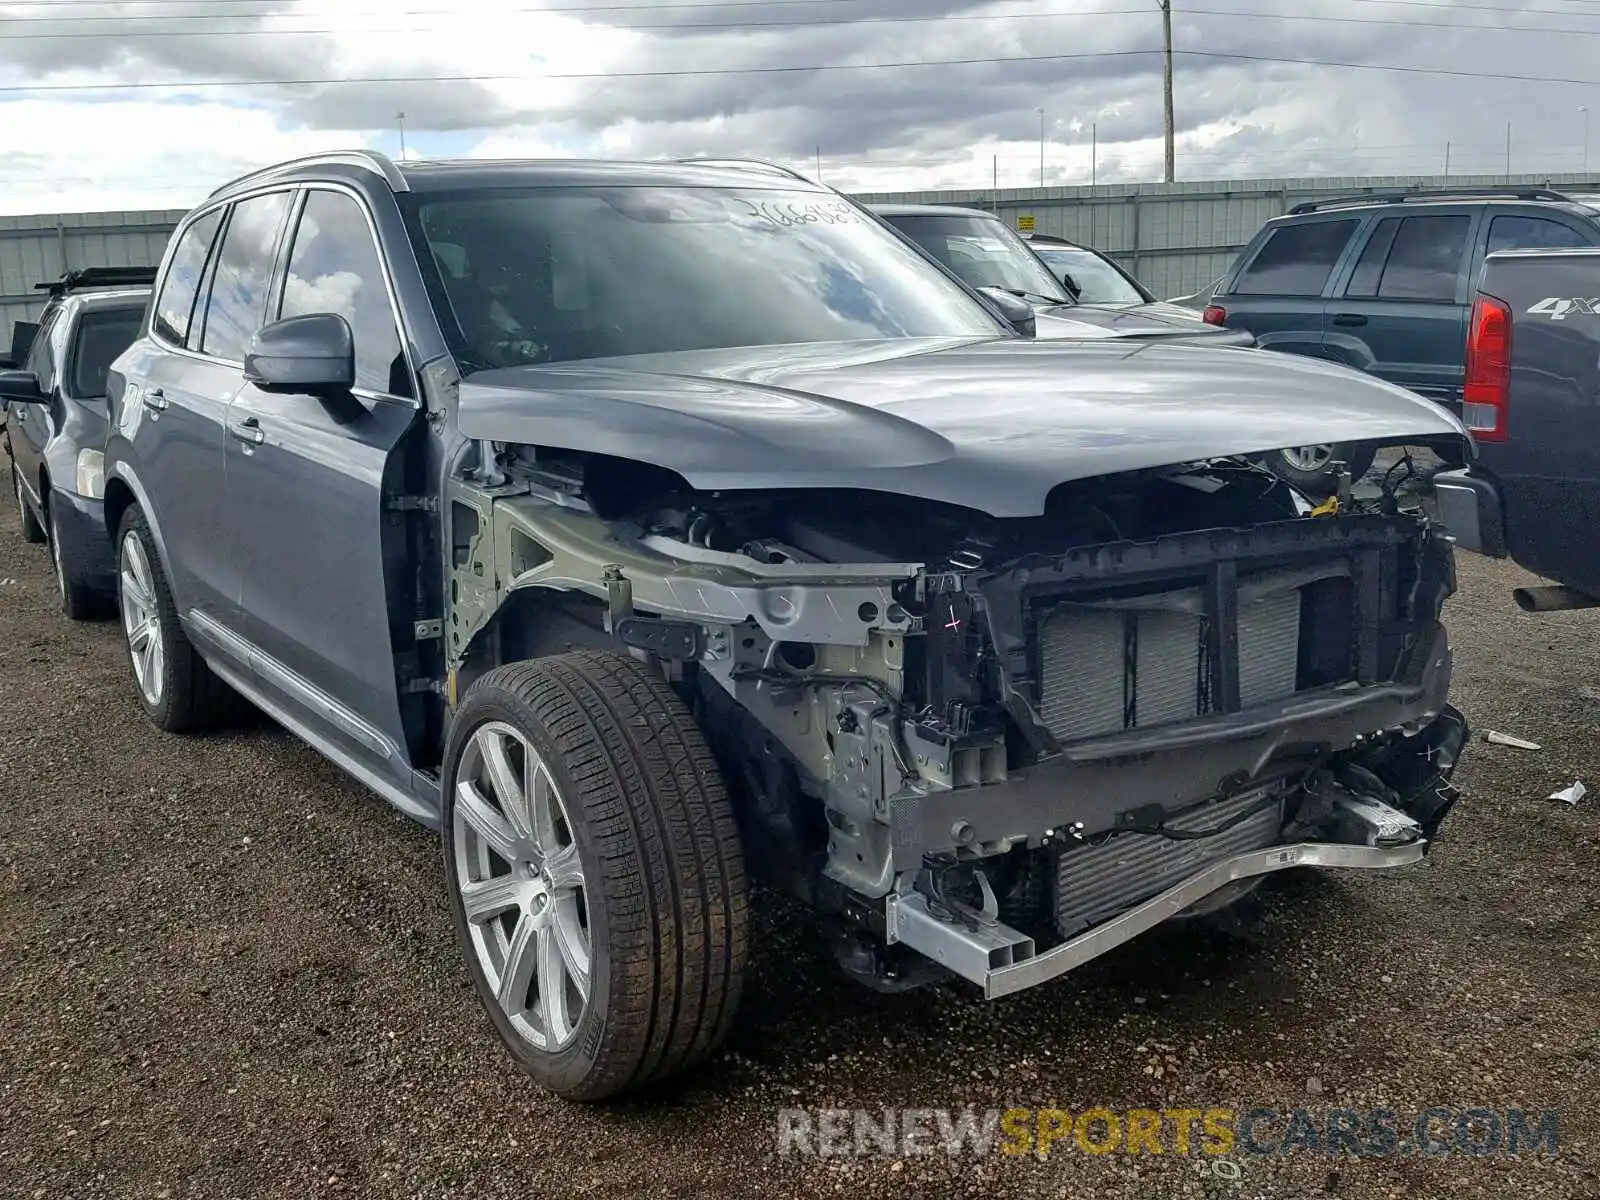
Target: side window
{"points": [[1369, 269], [1517, 233], [1425, 261], [334, 268], [175, 305], [40, 360], [1297, 259], [238, 303]]}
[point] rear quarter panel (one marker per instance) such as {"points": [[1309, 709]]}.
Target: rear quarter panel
{"points": [[1548, 468]]}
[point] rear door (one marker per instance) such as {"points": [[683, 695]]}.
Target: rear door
{"points": [[306, 480], [1278, 293], [1401, 308]]}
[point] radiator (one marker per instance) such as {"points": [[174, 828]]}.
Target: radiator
{"points": [[1095, 882], [1108, 667]]}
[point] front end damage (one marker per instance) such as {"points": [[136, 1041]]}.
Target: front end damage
{"points": [[997, 749]]}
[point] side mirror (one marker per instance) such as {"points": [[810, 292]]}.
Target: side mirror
{"points": [[313, 355], [21, 387], [1014, 310]]}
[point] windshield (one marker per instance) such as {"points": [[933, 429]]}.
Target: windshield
{"points": [[103, 334], [983, 251], [562, 274], [1098, 281]]}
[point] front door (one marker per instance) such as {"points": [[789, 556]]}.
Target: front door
{"points": [[32, 425], [306, 480]]}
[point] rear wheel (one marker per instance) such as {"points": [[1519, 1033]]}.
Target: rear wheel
{"points": [[32, 531], [595, 872], [1309, 468], [176, 689]]}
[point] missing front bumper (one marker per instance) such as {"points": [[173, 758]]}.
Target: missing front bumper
{"points": [[1002, 960]]}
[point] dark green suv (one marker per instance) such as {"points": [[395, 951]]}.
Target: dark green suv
{"points": [[1383, 283]]}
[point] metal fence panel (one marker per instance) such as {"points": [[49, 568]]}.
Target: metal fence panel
{"points": [[1176, 238]]}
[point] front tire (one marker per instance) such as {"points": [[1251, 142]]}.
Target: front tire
{"points": [[176, 689], [1309, 468], [595, 872], [32, 531]]}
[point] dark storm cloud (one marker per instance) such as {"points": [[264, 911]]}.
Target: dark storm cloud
{"points": [[1325, 118]]}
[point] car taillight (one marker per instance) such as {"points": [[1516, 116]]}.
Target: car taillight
{"points": [[1486, 398], [1215, 314]]}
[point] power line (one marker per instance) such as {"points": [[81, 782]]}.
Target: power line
{"points": [[533, 77], [579, 10], [820, 24]]}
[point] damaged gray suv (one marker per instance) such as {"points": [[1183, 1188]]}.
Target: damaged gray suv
{"points": [[653, 528]]}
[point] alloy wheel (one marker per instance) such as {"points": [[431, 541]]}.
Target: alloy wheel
{"points": [[1309, 458], [141, 619], [522, 886], [55, 555]]}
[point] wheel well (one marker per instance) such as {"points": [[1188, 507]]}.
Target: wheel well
{"points": [[119, 498], [534, 623]]}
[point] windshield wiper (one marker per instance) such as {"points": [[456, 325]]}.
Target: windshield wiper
{"points": [[1027, 295]]}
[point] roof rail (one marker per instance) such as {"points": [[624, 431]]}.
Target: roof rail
{"points": [[371, 160], [98, 277], [1460, 193], [747, 164]]}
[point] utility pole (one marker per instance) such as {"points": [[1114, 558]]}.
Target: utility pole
{"points": [[1447, 161], [1041, 147], [994, 183], [1094, 154], [401, 117], [1166, 82], [1584, 109], [1508, 150], [819, 163]]}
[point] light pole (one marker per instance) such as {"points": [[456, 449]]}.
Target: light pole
{"points": [[1041, 147], [401, 117], [1584, 109]]}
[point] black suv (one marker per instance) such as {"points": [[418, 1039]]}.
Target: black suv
{"points": [[1384, 283], [55, 402]]}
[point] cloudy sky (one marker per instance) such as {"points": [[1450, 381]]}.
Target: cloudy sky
{"points": [[151, 103]]}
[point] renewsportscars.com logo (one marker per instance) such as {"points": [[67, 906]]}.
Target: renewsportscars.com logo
{"points": [[1557, 307], [1177, 1132]]}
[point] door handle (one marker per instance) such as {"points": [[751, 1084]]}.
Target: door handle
{"points": [[1349, 319], [248, 430], [154, 399]]}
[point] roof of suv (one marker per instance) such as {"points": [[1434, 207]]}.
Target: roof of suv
{"points": [[1582, 205], [930, 210], [414, 175]]}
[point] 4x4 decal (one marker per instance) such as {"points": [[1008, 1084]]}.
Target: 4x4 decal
{"points": [[1557, 307]]}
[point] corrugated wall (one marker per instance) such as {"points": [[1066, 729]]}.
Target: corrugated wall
{"points": [[1176, 238], [36, 249]]}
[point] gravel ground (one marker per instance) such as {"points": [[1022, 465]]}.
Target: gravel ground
{"points": [[227, 971]]}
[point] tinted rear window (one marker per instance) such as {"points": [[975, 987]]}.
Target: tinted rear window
{"points": [[1297, 259], [1518, 233], [103, 334]]}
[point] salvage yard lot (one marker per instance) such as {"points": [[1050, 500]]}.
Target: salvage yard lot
{"points": [[227, 970]]}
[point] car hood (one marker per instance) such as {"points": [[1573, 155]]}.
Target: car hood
{"points": [[991, 424]]}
